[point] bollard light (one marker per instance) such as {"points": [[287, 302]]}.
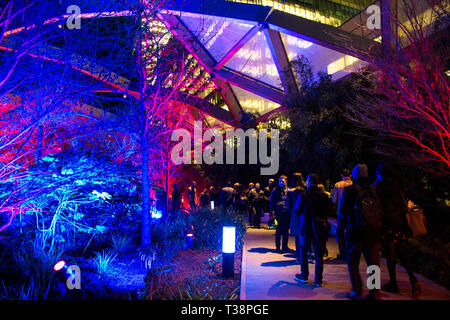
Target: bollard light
{"points": [[189, 240], [229, 240], [212, 205], [228, 250]]}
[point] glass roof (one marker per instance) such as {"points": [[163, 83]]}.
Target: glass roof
{"points": [[331, 12], [253, 103], [217, 35], [322, 59], [255, 60]]}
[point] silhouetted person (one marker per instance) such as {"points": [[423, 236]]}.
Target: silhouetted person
{"points": [[297, 186], [281, 213], [192, 196], [249, 207], [237, 198], [312, 207], [395, 229], [204, 199], [226, 196], [267, 192], [338, 190], [214, 196], [176, 199], [362, 210], [255, 202]]}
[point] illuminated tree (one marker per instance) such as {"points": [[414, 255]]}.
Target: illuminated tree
{"points": [[407, 101]]}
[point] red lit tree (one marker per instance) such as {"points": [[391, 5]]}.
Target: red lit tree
{"points": [[407, 101]]}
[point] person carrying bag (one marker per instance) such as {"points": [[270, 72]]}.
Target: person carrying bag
{"points": [[415, 218]]}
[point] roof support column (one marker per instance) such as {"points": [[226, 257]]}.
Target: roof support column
{"points": [[281, 59]]}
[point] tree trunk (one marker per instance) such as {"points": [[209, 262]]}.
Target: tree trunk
{"points": [[146, 217]]}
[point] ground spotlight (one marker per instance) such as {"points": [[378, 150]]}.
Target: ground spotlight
{"points": [[228, 250], [60, 265], [68, 274]]}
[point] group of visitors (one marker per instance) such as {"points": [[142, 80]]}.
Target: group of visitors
{"points": [[369, 216], [253, 201], [206, 197]]}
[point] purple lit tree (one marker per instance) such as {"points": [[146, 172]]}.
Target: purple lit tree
{"points": [[407, 101]]}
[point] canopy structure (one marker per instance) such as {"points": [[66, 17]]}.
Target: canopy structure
{"points": [[246, 46]]}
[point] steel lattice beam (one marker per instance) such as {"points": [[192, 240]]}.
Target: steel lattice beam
{"points": [[281, 61]]}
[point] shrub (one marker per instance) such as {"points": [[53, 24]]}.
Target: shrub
{"points": [[206, 224], [102, 261], [119, 243]]}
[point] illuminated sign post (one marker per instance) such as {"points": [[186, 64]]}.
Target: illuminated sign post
{"points": [[228, 250]]}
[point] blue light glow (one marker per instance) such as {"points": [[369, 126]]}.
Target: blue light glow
{"points": [[156, 214]]}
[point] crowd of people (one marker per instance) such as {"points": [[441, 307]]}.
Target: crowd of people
{"points": [[369, 216]]}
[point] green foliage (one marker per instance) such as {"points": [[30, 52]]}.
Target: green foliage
{"points": [[29, 290], [120, 242], [320, 138], [77, 202], [195, 289], [158, 256], [206, 224], [103, 262]]}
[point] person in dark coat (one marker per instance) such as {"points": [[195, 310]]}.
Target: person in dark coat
{"points": [[267, 192], [338, 190], [192, 196], [281, 213], [361, 237], [226, 196], [395, 229], [312, 207], [255, 204], [204, 199], [297, 186], [176, 199], [214, 196], [249, 207]]}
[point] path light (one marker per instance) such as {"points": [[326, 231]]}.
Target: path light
{"points": [[62, 269], [228, 250], [189, 240], [59, 266], [212, 205]]}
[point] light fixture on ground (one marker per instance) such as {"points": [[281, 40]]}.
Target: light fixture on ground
{"points": [[189, 240], [68, 274], [212, 205], [228, 250]]}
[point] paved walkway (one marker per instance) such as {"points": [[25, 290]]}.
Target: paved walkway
{"points": [[267, 275]]}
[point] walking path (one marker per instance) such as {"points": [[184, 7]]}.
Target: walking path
{"points": [[267, 275]]}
